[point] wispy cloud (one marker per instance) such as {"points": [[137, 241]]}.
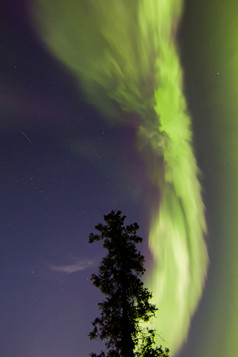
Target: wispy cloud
{"points": [[78, 265]]}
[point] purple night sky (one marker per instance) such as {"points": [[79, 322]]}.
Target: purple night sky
{"points": [[62, 168]]}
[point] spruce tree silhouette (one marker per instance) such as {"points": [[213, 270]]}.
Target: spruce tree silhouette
{"points": [[127, 304]]}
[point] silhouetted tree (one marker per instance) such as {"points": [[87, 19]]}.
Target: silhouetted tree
{"points": [[127, 300]]}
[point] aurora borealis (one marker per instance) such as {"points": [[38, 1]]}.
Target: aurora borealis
{"points": [[128, 55], [134, 151]]}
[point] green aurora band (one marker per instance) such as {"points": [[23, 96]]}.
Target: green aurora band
{"points": [[123, 55], [219, 57]]}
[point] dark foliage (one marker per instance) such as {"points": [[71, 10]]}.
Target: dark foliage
{"points": [[127, 300]]}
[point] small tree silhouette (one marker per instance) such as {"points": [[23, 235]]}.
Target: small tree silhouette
{"points": [[127, 300]]}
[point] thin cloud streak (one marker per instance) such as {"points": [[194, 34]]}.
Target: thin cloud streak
{"points": [[79, 265]]}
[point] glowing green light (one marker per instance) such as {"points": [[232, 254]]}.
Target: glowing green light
{"points": [[221, 55], [123, 54]]}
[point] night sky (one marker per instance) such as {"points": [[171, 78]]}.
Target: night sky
{"points": [[63, 166]]}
